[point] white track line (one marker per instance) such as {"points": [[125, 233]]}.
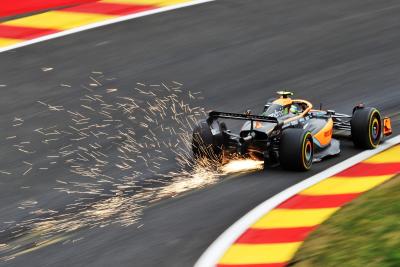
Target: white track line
{"points": [[217, 249], [104, 23]]}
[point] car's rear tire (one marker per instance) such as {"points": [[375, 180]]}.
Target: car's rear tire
{"points": [[205, 144], [296, 149], [366, 128]]}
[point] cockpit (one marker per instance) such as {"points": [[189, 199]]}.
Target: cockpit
{"points": [[275, 110], [286, 108], [278, 110]]}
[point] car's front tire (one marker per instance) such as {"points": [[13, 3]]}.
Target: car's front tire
{"points": [[366, 128]]}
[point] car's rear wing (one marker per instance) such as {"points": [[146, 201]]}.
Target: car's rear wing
{"points": [[238, 116]]}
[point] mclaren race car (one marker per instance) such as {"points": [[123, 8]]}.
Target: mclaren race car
{"points": [[288, 132]]}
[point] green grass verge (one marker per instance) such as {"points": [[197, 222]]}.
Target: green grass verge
{"points": [[366, 232]]}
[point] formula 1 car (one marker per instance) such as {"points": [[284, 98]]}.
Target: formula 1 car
{"points": [[289, 132]]}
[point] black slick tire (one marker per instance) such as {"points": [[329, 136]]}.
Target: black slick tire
{"points": [[366, 128], [296, 149]]}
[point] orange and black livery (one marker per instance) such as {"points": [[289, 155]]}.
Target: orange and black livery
{"points": [[289, 132]]}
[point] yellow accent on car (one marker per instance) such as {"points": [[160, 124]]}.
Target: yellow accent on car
{"points": [[303, 150], [283, 101], [370, 123]]}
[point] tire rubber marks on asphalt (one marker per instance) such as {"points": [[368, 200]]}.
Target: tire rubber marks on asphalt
{"points": [[273, 240]]}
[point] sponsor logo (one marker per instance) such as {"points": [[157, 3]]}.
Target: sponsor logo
{"points": [[328, 133]]}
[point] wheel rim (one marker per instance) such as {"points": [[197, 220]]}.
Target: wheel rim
{"points": [[308, 150], [308, 153], [375, 130]]}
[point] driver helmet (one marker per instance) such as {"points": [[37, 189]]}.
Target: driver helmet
{"points": [[294, 109]]}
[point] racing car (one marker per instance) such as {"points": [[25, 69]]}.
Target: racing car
{"points": [[289, 132]]}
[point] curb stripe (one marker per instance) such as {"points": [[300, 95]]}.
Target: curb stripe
{"points": [[287, 218], [15, 32], [345, 185], [313, 202], [57, 20], [148, 2], [14, 7], [253, 265], [54, 24], [277, 235], [8, 41], [109, 8], [391, 156], [371, 169], [255, 254]]}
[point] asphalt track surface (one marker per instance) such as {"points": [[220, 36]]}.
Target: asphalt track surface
{"points": [[237, 53]]}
